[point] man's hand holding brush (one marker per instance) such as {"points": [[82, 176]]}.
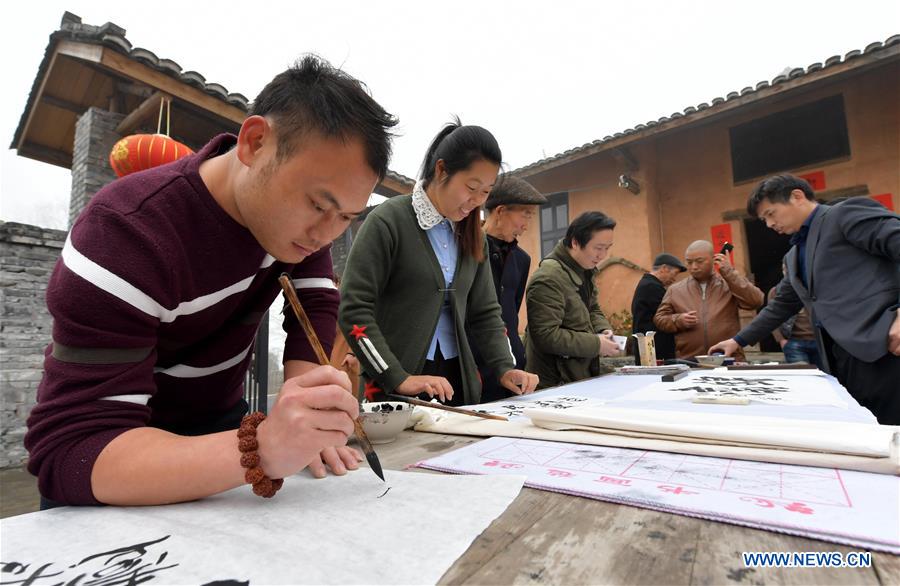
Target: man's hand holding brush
{"points": [[313, 414]]}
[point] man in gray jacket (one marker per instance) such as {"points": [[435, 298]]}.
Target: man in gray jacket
{"points": [[843, 267]]}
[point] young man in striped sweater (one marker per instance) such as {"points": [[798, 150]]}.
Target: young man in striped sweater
{"points": [[161, 286]]}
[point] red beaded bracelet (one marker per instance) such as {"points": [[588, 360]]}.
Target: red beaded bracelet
{"points": [[262, 485]]}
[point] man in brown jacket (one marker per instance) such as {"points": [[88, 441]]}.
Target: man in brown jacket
{"points": [[704, 307]]}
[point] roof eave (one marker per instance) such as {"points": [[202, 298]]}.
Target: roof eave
{"points": [[876, 54]]}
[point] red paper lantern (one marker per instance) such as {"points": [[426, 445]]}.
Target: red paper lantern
{"points": [[145, 151]]}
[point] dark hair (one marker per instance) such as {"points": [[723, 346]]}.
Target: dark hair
{"points": [[459, 146], [777, 189], [582, 228], [314, 96]]}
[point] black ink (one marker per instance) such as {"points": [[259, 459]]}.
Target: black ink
{"points": [[12, 567], [385, 492], [122, 566], [114, 553], [18, 569], [514, 409], [590, 455]]}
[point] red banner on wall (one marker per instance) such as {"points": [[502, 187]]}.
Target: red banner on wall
{"points": [[721, 233], [815, 179], [885, 199]]}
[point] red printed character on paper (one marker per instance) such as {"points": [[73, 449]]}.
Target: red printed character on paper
{"points": [[758, 501], [610, 480], [504, 465], [799, 508], [559, 473], [675, 489], [794, 507]]}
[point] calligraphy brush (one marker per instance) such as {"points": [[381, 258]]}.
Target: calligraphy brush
{"points": [[442, 407], [361, 436]]}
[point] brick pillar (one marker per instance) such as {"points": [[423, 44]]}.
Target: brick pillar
{"points": [[95, 134]]}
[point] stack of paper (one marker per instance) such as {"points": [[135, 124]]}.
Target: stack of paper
{"points": [[853, 508]]}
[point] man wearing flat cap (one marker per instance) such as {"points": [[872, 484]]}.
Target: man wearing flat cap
{"points": [[647, 297], [510, 208]]}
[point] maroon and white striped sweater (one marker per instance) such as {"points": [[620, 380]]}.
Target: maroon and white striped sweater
{"points": [[156, 301]]}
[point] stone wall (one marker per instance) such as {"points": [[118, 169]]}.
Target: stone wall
{"points": [[27, 256]]}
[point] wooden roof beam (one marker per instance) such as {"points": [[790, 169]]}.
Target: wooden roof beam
{"points": [[133, 71], [177, 89], [46, 154], [63, 104], [147, 108], [134, 89]]}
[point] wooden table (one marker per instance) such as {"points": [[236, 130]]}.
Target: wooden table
{"points": [[551, 538]]}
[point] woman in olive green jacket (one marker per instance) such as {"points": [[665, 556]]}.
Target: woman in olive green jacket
{"points": [[416, 276]]}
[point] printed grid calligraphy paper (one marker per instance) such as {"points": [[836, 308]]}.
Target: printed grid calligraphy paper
{"points": [[853, 508]]}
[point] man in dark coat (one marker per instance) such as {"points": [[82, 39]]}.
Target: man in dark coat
{"points": [[844, 268], [647, 297], [510, 208]]}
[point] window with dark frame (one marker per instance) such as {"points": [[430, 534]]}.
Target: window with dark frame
{"points": [[554, 221], [790, 139]]}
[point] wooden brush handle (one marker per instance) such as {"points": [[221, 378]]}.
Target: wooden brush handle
{"points": [[442, 407], [291, 295]]}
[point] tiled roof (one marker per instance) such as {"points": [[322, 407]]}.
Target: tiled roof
{"points": [[715, 103], [113, 36], [400, 178]]}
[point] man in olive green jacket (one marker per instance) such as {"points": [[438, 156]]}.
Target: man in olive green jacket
{"points": [[567, 331]]}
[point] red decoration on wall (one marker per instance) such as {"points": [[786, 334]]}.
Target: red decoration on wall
{"points": [[885, 199], [815, 179], [721, 233]]}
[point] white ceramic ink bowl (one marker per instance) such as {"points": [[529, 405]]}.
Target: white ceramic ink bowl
{"points": [[383, 422], [711, 359]]}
